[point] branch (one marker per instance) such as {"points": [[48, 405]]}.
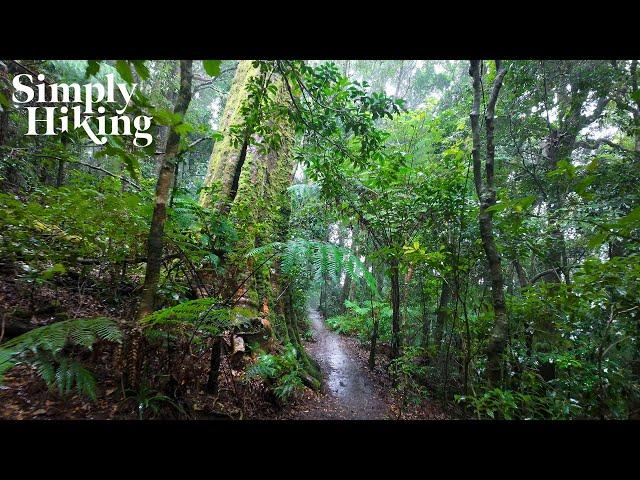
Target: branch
{"points": [[474, 71], [545, 273], [489, 120], [100, 169], [92, 261], [595, 144], [601, 105]]}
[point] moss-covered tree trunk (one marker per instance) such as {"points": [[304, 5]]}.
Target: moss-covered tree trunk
{"points": [[250, 184], [228, 158]]}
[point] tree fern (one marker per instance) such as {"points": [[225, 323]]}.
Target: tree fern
{"points": [[318, 259], [268, 248], [202, 314]]}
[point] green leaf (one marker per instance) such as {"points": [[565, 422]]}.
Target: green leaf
{"points": [[183, 128], [50, 272], [597, 240], [166, 117], [124, 69], [523, 203], [498, 207], [93, 67], [141, 68], [212, 67], [631, 218], [4, 101]]}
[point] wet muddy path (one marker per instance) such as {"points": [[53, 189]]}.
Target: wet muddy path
{"points": [[350, 391]]}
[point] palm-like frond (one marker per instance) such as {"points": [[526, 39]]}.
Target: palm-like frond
{"points": [[42, 348], [320, 260]]}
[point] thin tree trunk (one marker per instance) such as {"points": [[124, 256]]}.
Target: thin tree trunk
{"points": [[344, 296], [396, 343], [163, 189], [374, 338], [636, 111], [442, 313], [376, 320], [486, 192], [60, 174], [214, 365], [426, 320], [4, 113]]}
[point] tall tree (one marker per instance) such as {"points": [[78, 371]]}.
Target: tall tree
{"points": [[163, 190], [486, 192], [229, 154]]}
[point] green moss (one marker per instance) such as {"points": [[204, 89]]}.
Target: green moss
{"points": [[225, 155], [190, 313]]}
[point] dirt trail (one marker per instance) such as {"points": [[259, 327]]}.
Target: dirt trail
{"points": [[350, 390]]}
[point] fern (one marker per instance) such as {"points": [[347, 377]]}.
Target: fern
{"points": [[302, 191], [268, 248], [43, 347], [282, 371], [264, 367], [318, 259], [202, 314]]}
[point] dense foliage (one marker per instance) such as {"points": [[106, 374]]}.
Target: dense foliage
{"points": [[397, 197]]}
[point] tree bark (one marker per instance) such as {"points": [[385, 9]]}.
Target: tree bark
{"points": [[442, 313], [396, 342], [227, 158], [379, 275], [486, 192], [60, 174], [426, 320], [163, 189], [214, 365], [374, 339], [4, 112]]}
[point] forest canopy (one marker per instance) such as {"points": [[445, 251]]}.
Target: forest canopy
{"points": [[397, 239]]}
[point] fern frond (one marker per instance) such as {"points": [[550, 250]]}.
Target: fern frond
{"points": [[323, 260], [84, 382], [46, 369], [268, 248], [42, 348], [7, 362]]}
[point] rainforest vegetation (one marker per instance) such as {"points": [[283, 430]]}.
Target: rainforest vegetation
{"points": [[401, 239]]}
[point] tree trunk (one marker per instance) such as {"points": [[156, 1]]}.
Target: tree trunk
{"points": [[227, 158], [442, 313], [396, 342], [60, 174], [214, 365], [346, 291], [163, 189], [426, 319], [636, 111], [379, 275], [486, 192], [4, 111], [374, 340]]}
